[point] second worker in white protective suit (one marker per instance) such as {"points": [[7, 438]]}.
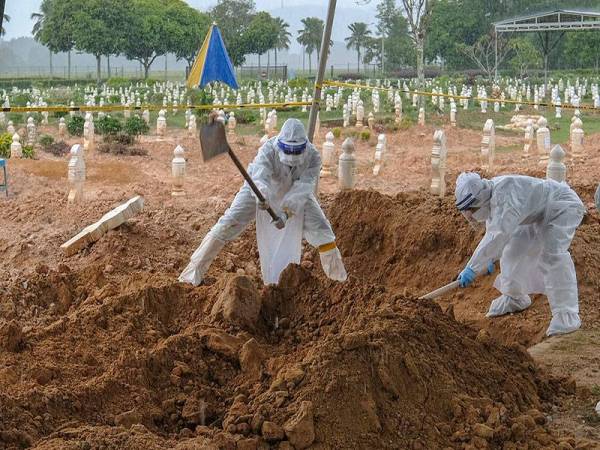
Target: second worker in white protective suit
{"points": [[286, 171], [530, 224]]}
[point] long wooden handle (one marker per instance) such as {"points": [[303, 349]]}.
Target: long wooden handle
{"points": [[441, 291], [257, 192]]}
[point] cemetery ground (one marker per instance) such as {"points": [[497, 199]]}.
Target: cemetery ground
{"points": [[105, 349]]}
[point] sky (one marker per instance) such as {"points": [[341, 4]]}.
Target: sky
{"points": [[293, 10]]}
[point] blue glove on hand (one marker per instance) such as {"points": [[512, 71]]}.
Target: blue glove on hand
{"points": [[491, 267], [466, 277]]}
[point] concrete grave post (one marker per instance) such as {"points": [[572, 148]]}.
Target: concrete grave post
{"points": [[488, 145], [231, 123], [347, 166], [438, 163], [16, 149], [178, 171], [76, 174], [360, 114], [329, 156], [161, 124], [577, 135], [62, 128], [556, 169], [543, 141]]}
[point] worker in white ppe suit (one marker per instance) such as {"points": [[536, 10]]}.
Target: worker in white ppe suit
{"points": [[530, 224], [285, 171]]}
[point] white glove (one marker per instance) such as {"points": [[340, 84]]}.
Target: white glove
{"points": [[333, 266]]}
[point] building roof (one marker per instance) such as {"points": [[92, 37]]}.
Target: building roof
{"points": [[550, 20]]}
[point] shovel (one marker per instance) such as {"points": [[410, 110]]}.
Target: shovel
{"points": [[439, 292], [213, 142]]}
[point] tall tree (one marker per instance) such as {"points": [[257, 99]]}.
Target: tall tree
{"points": [[233, 18], [283, 36], [149, 33], [101, 28], [189, 33], [310, 37], [261, 34], [525, 56], [418, 14], [359, 36], [581, 49]]}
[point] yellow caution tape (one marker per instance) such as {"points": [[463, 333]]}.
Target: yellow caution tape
{"points": [[24, 109]]}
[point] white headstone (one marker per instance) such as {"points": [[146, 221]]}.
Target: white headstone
{"points": [[438, 163], [347, 166], [77, 174], [178, 171], [16, 149], [329, 156], [488, 145], [556, 169]]}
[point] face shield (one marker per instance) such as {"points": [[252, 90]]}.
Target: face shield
{"points": [[292, 142]]}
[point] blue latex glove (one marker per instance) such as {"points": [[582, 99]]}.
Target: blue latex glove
{"points": [[466, 277], [491, 267]]}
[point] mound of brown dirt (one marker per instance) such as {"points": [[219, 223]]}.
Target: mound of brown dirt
{"points": [[112, 352], [413, 243], [143, 364]]}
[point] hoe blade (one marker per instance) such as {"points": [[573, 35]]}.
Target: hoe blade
{"points": [[213, 140]]}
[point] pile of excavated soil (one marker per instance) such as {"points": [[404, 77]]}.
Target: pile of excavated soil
{"points": [[154, 363], [107, 350], [413, 243]]}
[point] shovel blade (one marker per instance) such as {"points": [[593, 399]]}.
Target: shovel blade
{"points": [[213, 140]]}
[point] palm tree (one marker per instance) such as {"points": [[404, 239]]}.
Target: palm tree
{"points": [[358, 38], [283, 36], [310, 37], [37, 31], [6, 19]]}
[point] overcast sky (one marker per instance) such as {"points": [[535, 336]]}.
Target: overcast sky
{"points": [[348, 10]]}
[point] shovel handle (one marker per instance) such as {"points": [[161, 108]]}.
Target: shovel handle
{"points": [[256, 191], [441, 291]]}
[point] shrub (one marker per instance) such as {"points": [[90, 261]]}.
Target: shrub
{"points": [[16, 118], [57, 149], [298, 83], [337, 132], [28, 152], [46, 140], [108, 125], [246, 116], [5, 143], [120, 138], [116, 148], [365, 135], [135, 126], [75, 125], [60, 114], [406, 123]]}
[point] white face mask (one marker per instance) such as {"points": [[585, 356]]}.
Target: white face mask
{"points": [[291, 160]]}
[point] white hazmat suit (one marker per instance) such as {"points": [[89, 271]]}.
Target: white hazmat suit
{"points": [[530, 224], [285, 171]]}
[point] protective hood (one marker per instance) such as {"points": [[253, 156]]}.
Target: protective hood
{"points": [[472, 191], [292, 142]]}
